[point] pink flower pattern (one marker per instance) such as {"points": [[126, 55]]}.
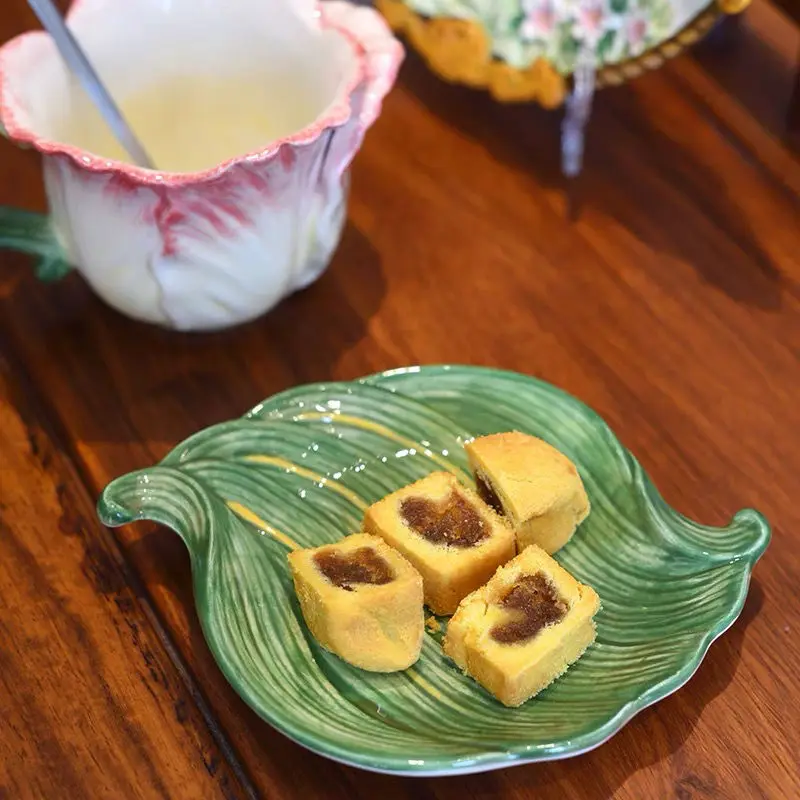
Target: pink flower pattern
{"points": [[590, 21], [540, 19], [625, 29], [636, 31]]}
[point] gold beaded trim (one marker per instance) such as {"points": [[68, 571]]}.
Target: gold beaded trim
{"points": [[459, 51]]}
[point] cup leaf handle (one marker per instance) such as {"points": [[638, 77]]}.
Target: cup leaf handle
{"points": [[32, 232]]}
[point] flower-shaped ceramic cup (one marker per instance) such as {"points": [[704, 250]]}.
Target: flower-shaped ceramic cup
{"points": [[211, 248]]}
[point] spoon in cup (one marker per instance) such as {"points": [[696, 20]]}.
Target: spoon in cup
{"points": [[80, 66]]}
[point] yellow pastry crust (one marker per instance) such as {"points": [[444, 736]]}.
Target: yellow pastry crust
{"points": [[449, 573], [539, 488], [376, 627], [515, 672]]}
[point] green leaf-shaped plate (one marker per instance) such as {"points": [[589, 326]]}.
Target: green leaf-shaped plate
{"points": [[300, 469]]}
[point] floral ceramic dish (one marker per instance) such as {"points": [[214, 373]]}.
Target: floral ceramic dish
{"points": [[527, 49], [299, 470]]}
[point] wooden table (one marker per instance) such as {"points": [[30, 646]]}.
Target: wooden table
{"points": [[672, 306]]}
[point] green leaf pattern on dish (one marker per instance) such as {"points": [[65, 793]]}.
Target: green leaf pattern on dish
{"points": [[299, 470]]}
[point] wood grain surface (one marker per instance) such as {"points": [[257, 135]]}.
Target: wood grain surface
{"points": [[671, 305]]}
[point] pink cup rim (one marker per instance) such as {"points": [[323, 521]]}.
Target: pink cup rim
{"points": [[335, 115]]}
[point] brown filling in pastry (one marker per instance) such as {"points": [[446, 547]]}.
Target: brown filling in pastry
{"points": [[363, 565], [452, 521], [535, 604], [487, 493]]}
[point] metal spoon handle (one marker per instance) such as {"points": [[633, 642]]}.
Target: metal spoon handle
{"points": [[80, 66]]}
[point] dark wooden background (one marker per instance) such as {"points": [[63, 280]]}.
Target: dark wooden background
{"points": [[670, 306]]}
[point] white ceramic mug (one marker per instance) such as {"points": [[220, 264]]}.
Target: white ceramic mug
{"points": [[212, 248]]}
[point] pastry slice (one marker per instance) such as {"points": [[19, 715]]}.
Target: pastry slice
{"points": [[447, 532], [522, 630], [362, 601], [536, 487]]}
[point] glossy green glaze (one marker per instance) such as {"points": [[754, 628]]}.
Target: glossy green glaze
{"points": [[299, 470]]}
